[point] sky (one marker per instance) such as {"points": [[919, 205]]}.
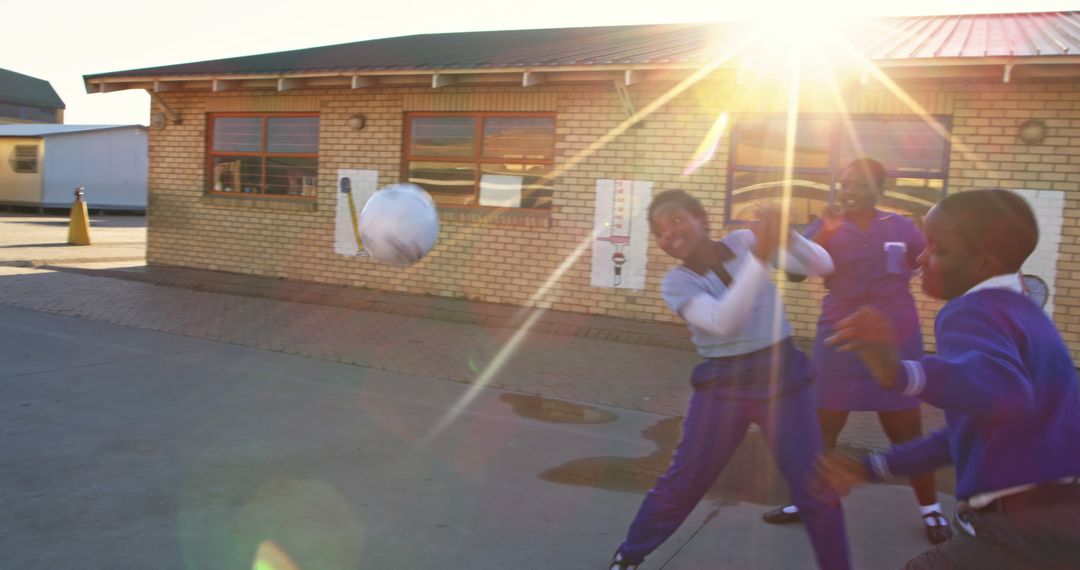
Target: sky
{"points": [[62, 40]]}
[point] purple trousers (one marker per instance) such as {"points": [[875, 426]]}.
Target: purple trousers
{"points": [[713, 427]]}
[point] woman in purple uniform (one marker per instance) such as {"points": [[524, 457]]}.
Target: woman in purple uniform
{"points": [[875, 253]]}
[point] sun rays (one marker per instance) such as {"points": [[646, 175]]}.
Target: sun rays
{"points": [[772, 65]]}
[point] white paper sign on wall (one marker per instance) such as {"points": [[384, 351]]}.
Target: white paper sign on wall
{"points": [[620, 233], [361, 184], [1049, 206]]}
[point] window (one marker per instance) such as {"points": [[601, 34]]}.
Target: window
{"points": [[268, 154], [503, 160], [26, 158], [26, 113], [915, 157]]}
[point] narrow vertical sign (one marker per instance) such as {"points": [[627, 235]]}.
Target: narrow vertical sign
{"points": [[621, 234], [354, 189]]}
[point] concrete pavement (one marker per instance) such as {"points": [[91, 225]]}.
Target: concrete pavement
{"points": [[41, 239], [451, 339], [298, 337], [129, 448]]}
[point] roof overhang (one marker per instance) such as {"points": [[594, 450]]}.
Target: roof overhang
{"points": [[361, 79], [1005, 69]]}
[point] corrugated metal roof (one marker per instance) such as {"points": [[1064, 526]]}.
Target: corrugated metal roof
{"points": [[499, 49], [47, 130], [974, 36], [911, 38], [22, 89]]}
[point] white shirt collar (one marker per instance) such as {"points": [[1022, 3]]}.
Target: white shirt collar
{"points": [[1010, 281]]}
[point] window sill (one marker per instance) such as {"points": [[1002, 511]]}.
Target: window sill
{"points": [[496, 216], [293, 204]]}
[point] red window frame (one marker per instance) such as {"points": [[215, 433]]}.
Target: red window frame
{"points": [[477, 159], [263, 154]]}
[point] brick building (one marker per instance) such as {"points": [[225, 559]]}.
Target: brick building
{"points": [[542, 146]]}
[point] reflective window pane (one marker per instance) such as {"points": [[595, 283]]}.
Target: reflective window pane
{"points": [[913, 152], [519, 138], [809, 195], [237, 174], [911, 197], [28, 113], [292, 135], [508, 166], [904, 145], [763, 142], [448, 182], [451, 136], [291, 176], [238, 134], [271, 138], [516, 185]]}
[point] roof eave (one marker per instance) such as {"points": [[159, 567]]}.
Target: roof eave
{"points": [[160, 82], [163, 82]]}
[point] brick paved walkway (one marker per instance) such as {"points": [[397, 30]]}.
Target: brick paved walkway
{"points": [[577, 369]]}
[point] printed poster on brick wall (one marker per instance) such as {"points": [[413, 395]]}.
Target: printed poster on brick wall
{"points": [[353, 190], [1049, 208], [620, 234]]}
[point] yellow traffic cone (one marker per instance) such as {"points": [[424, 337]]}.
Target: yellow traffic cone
{"points": [[79, 226]]}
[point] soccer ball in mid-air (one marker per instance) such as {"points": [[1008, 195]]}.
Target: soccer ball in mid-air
{"points": [[399, 224]]}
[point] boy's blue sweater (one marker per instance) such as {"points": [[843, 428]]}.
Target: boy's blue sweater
{"points": [[1009, 389]]}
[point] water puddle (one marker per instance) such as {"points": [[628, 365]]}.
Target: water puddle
{"points": [[556, 411]]}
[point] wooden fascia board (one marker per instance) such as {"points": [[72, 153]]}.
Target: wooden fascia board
{"points": [[366, 73], [442, 80], [218, 85], [289, 83], [362, 81], [530, 78]]}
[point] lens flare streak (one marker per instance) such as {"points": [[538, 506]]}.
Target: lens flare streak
{"points": [[707, 149], [507, 350], [511, 345]]}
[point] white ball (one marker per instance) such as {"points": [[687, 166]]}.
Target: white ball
{"points": [[399, 224]]}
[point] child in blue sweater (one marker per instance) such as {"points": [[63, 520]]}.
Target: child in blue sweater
{"points": [[1007, 384]]}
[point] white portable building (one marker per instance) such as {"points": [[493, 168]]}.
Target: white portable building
{"points": [[41, 165]]}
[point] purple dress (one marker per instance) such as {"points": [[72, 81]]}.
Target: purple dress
{"points": [[872, 268]]}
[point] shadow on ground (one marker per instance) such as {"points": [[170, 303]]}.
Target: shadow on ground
{"points": [[751, 475]]}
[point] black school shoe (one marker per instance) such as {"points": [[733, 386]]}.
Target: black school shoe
{"points": [[941, 532], [780, 516], [617, 563]]}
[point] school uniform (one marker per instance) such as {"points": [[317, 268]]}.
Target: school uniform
{"points": [[1010, 393], [752, 373], [873, 267]]}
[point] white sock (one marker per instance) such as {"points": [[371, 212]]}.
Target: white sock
{"points": [[791, 509], [927, 509]]}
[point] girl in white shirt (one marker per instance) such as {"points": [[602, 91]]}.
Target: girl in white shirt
{"points": [[753, 373]]}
